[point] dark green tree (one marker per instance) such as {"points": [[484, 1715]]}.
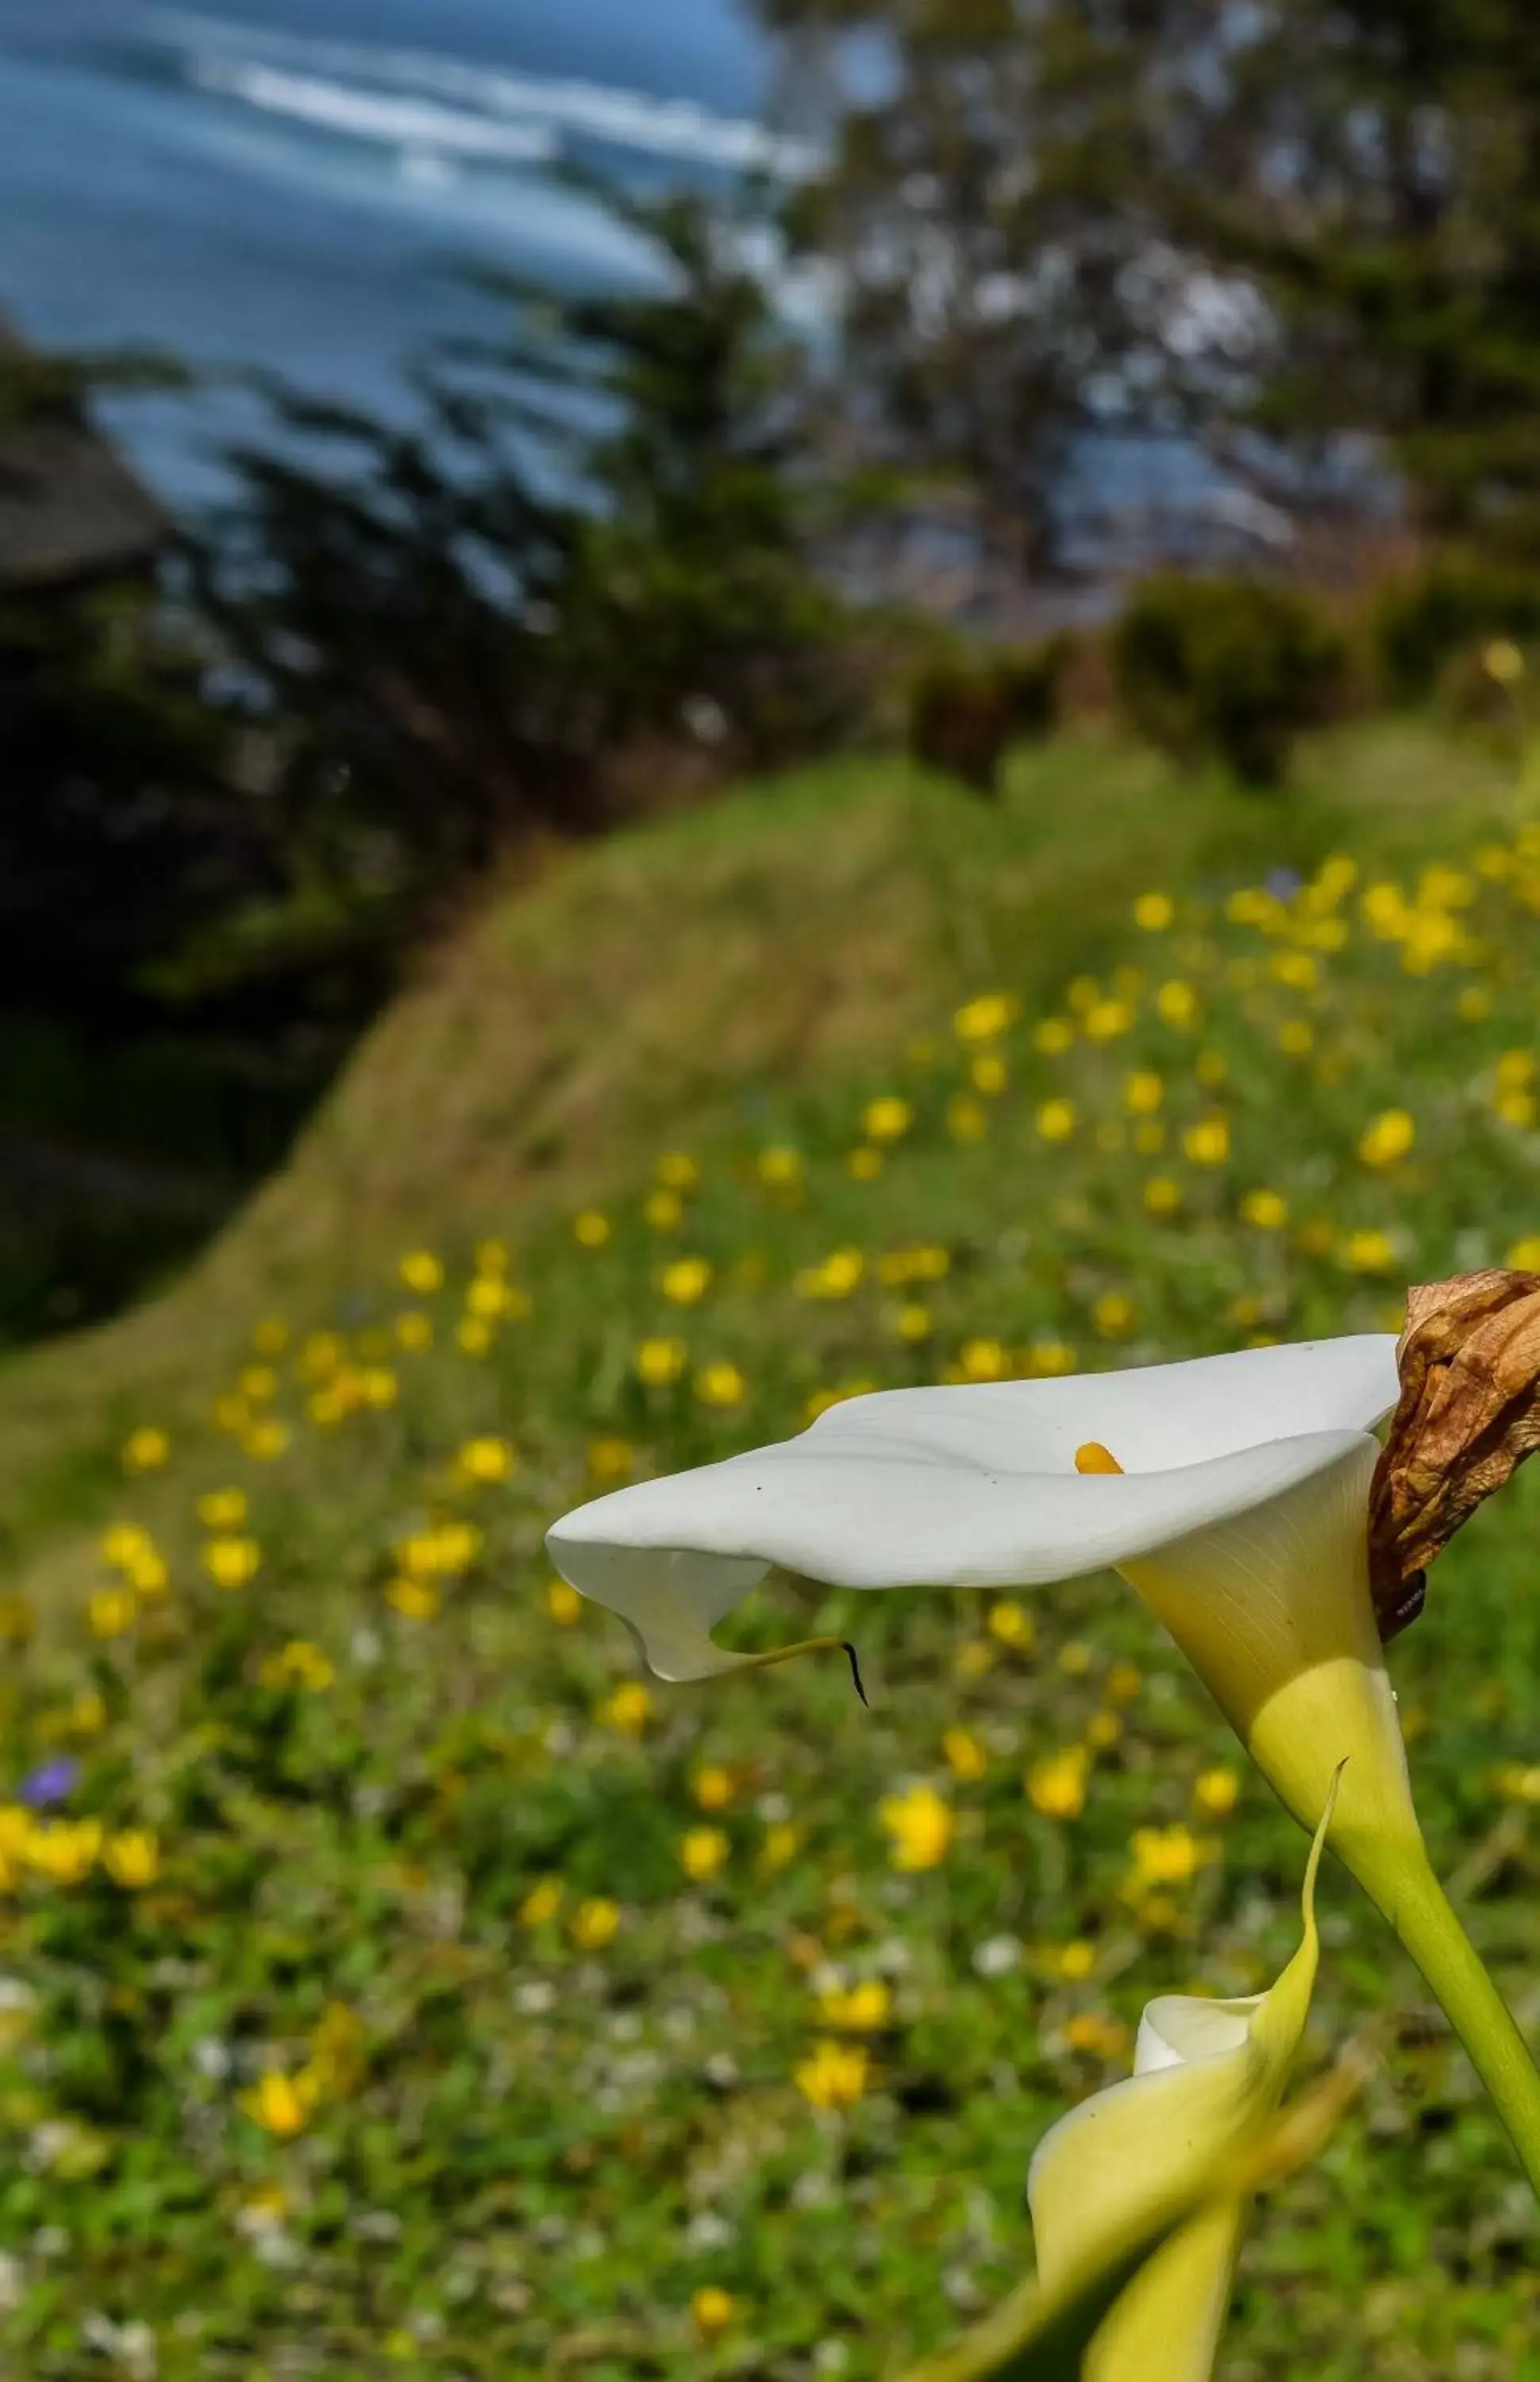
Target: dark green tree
{"points": [[996, 208], [598, 528], [1391, 216]]}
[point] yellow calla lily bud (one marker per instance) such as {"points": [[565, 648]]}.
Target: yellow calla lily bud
{"points": [[1207, 2079]]}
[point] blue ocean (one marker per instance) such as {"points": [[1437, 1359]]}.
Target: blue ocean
{"points": [[298, 184]]}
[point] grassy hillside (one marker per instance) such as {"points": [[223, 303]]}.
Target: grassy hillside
{"points": [[658, 984], [399, 1985]]}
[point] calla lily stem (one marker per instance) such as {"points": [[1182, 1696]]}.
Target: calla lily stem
{"points": [[1419, 1912]]}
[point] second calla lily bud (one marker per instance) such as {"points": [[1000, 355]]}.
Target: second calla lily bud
{"points": [[1208, 2078]]}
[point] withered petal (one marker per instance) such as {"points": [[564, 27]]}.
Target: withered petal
{"points": [[1468, 1415]]}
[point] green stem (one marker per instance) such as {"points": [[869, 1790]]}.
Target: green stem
{"points": [[1419, 1912]]}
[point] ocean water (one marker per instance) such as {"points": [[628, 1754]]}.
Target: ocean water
{"points": [[295, 183]]}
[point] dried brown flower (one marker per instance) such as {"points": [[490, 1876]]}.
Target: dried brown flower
{"points": [[1469, 1413]]}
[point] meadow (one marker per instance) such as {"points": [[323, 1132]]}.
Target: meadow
{"points": [[396, 1981]]}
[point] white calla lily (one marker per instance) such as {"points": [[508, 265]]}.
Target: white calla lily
{"points": [[1208, 2078], [1231, 1492], [1238, 1512]]}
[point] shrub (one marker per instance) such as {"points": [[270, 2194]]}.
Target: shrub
{"points": [[1421, 626], [1229, 667], [966, 709]]}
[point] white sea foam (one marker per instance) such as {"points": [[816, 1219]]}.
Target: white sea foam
{"points": [[419, 126], [359, 75]]}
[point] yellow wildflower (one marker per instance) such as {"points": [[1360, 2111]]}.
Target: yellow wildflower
{"points": [[988, 1073], [720, 1384], [1207, 1143], [222, 1509], [1143, 1092], [278, 2104], [965, 1756], [1215, 1793], [1113, 1315], [300, 1665], [1105, 1020], [590, 1229], [1388, 1138], [712, 2309], [920, 1825], [563, 1604], [231, 1562], [1053, 1036], [1051, 1356], [860, 2011], [1369, 1252], [132, 1857], [1269, 1211], [423, 1272], [982, 1019], [1178, 1004], [595, 1923], [1154, 912], [686, 1281], [887, 1119], [1012, 1624], [912, 1320], [482, 1463], [145, 1449], [1055, 1120], [113, 1611], [1123, 1683], [628, 1709], [64, 1851], [983, 1360], [834, 2075], [1056, 1786], [677, 1171], [1162, 1195], [659, 1363], [123, 1543], [495, 1300], [542, 1902], [1076, 1961], [702, 1851], [1166, 1856], [1091, 2030], [780, 1166], [664, 1209], [714, 1788], [473, 1333], [1525, 1255], [414, 1600], [781, 1846]]}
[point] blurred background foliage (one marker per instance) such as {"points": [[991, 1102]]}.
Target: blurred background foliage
{"points": [[632, 545]]}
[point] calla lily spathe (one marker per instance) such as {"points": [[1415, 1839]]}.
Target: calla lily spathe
{"points": [[1232, 1492], [1208, 2078], [1239, 1514], [975, 1485]]}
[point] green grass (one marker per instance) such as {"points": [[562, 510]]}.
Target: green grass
{"points": [[658, 984], [524, 2154]]}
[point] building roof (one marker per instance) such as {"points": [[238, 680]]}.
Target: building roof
{"points": [[71, 508]]}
